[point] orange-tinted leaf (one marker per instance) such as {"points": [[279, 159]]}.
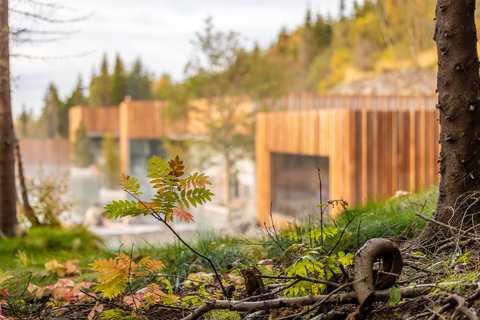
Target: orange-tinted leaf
{"points": [[97, 308], [183, 215]]}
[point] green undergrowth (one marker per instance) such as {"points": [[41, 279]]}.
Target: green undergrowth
{"points": [[40, 244], [375, 219], [392, 217], [25, 256], [180, 261]]}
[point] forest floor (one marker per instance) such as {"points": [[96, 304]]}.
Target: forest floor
{"points": [[304, 272]]}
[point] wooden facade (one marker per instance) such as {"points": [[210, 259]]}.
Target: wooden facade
{"points": [[312, 101], [372, 153], [46, 152], [144, 120], [376, 145], [97, 121]]}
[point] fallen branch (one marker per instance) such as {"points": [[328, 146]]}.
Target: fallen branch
{"points": [[301, 278], [256, 315], [365, 257], [317, 304], [462, 306], [407, 292]]}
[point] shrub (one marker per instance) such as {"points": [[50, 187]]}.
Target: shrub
{"points": [[110, 166], [83, 153]]}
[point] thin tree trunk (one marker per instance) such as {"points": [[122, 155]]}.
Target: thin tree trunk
{"points": [[227, 178], [458, 85], [27, 208], [8, 212]]}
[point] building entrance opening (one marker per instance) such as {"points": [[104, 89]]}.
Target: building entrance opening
{"points": [[295, 186]]}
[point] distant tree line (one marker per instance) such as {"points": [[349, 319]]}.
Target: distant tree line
{"points": [[321, 53], [106, 89]]}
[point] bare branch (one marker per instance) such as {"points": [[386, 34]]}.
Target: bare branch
{"points": [[48, 4], [46, 19], [407, 292], [27, 56], [42, 32]]}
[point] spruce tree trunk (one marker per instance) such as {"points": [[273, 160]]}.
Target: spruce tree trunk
{"points": [[8, 212], [458, 84]]}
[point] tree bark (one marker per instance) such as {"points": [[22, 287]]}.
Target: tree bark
{"points": [[458, 84], [8, 212]]}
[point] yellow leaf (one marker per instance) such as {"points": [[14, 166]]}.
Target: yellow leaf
{"points": [[51, 265]]}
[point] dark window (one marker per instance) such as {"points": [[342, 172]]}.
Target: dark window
{"points": [[295, 187], [141, 150]]}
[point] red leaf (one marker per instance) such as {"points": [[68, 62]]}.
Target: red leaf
{"points": [[183, 215]]}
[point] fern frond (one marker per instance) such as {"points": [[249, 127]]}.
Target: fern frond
{"points": [[194, 197], [114, 287], [154, 265], [176, 165], [152, 292], [125, 262], [194, 181], [158, 168], [130, 184], [123, 208], [119, 271], [114, 277], [182, 215], [104, 265], [117, 314]]}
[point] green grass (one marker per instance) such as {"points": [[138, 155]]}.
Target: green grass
{"points": [[179, 260], [391, 217], [381, 219], [42, 243]]}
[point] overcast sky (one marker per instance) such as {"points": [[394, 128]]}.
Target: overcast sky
{"points": [[158, 31]]}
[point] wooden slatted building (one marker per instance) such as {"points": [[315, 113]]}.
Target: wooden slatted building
{"points": [[45, 152], [97, 121], [373, 150], [375, 145]]}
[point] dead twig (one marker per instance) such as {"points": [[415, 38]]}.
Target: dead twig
{"points": [[407, 292], [273, 293], [256, 315], [462, 306], [301, 278], [317, 304], [461, 232]]}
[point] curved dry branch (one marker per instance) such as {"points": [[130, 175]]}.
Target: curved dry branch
{"points": [[365, 280]]}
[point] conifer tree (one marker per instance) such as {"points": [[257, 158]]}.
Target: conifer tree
{"points": [[119, 82], [458, 85], [78, 96], [139, 83], [50, 118], [101, 87]]}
